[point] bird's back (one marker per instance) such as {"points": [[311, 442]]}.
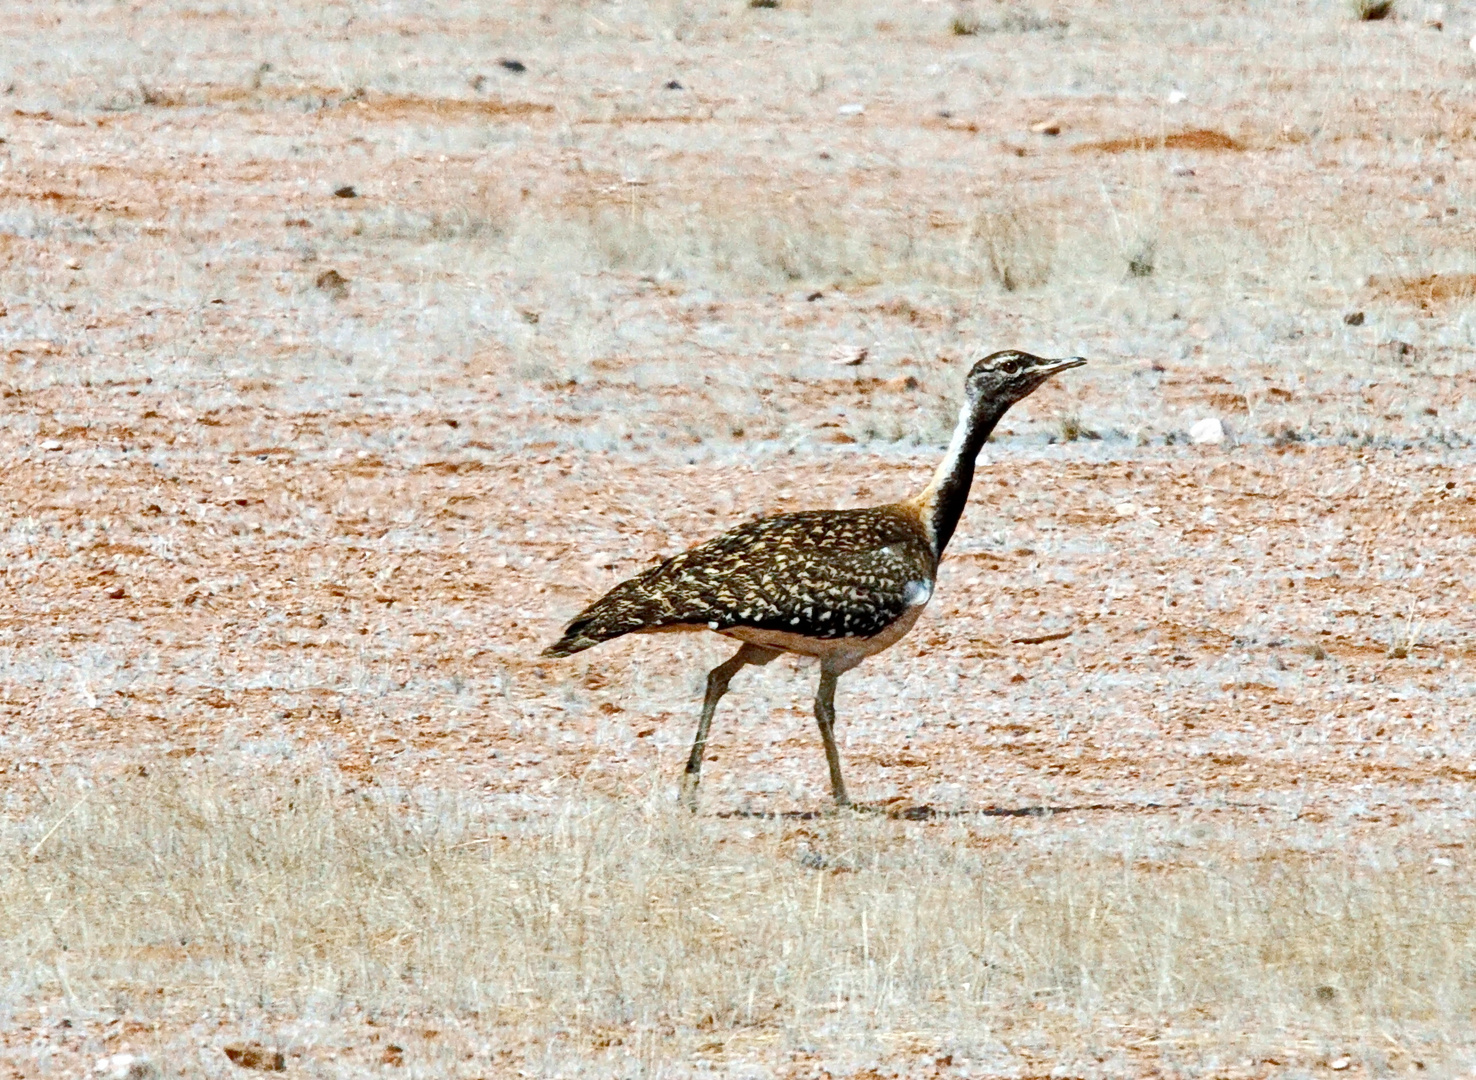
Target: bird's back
{"points": [[822, 574]]}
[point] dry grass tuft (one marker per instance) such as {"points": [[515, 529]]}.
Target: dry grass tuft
{"points": [[1198, 139], [1018, 247], [295, 889]]}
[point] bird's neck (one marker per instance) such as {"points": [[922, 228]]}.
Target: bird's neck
{"points": [[942, 502]]}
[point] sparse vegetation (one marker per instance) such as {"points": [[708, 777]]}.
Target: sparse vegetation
{"points": [[1017, 246], [629, 916], [280, 554]]}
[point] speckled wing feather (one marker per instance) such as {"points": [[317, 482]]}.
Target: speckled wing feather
{"points": [[823, 573]]}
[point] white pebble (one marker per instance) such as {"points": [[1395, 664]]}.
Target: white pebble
{"points": [[1208, 430]]}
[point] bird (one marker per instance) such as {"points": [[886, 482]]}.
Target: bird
{"points": [[837, 585]]}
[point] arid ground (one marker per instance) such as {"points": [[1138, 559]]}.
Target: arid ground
{"points": [[348, 349]]}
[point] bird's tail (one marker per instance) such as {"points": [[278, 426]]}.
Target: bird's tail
{"points": [[628, 608], [579, 635], [609, 617]]}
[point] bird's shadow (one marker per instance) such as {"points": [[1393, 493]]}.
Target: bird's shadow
{"points": [[932, 813]]}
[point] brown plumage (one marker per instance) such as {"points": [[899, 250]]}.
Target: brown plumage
{"points": [[839, 585]]}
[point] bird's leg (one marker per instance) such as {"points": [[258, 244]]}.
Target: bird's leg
{"points": [[717, 685], [825, 714]]}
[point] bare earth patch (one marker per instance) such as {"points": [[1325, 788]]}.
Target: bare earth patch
{"points": [[347, 352]]}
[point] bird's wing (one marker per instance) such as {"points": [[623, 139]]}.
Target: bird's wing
{"points": [[826, 574]]}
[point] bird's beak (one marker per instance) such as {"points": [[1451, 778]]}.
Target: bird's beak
{"points": [[1054, 366]]}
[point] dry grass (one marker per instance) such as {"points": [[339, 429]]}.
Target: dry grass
{"points": [[293, 893], [298, 474]]}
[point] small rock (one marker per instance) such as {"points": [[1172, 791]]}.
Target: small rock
{"points": [[1353, 318], [253, 1055], [853, 109], [1401, 351], [125, 1067], [117, 594], [1339, 1064], [517, 67], [333, 283], [51, 444], [1183, 170], [1207, 431], [849, 355], [346, 192], [1125, 509], [74, 264], [1177, 97], [672, 84], [1046, 127], [393, 1055]]}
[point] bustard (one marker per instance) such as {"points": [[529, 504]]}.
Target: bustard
{"points": [[839, 585]]}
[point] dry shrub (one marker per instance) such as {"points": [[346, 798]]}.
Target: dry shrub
{"points": [[1372, 10], [1426, 291], [1017, 247], [1198, 139], [771, 244], [294, 889]]}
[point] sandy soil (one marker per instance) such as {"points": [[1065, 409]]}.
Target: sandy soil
{"points": [[290, 475]]}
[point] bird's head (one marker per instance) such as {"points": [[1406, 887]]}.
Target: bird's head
{"points": [[1006, 377]]}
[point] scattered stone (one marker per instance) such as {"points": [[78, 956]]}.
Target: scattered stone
{"points": [[74, 264], [1325, 993], [809, 299], [51, 444], [1208, 431], [393, 1055], [1315, 651], [1177, 97], [1125, 509], [125, 1067], [1339, 1064], [672, 84], [346, 192], [1046, 127], [1400, 351], [853, 109], [1353, 318], [253, 1055], [517, 67], [1183, 170], [333, 283], [849, 355], [117, 594]]}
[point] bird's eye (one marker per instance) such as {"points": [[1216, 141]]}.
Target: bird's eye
{"points": [[1011, 367]]}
